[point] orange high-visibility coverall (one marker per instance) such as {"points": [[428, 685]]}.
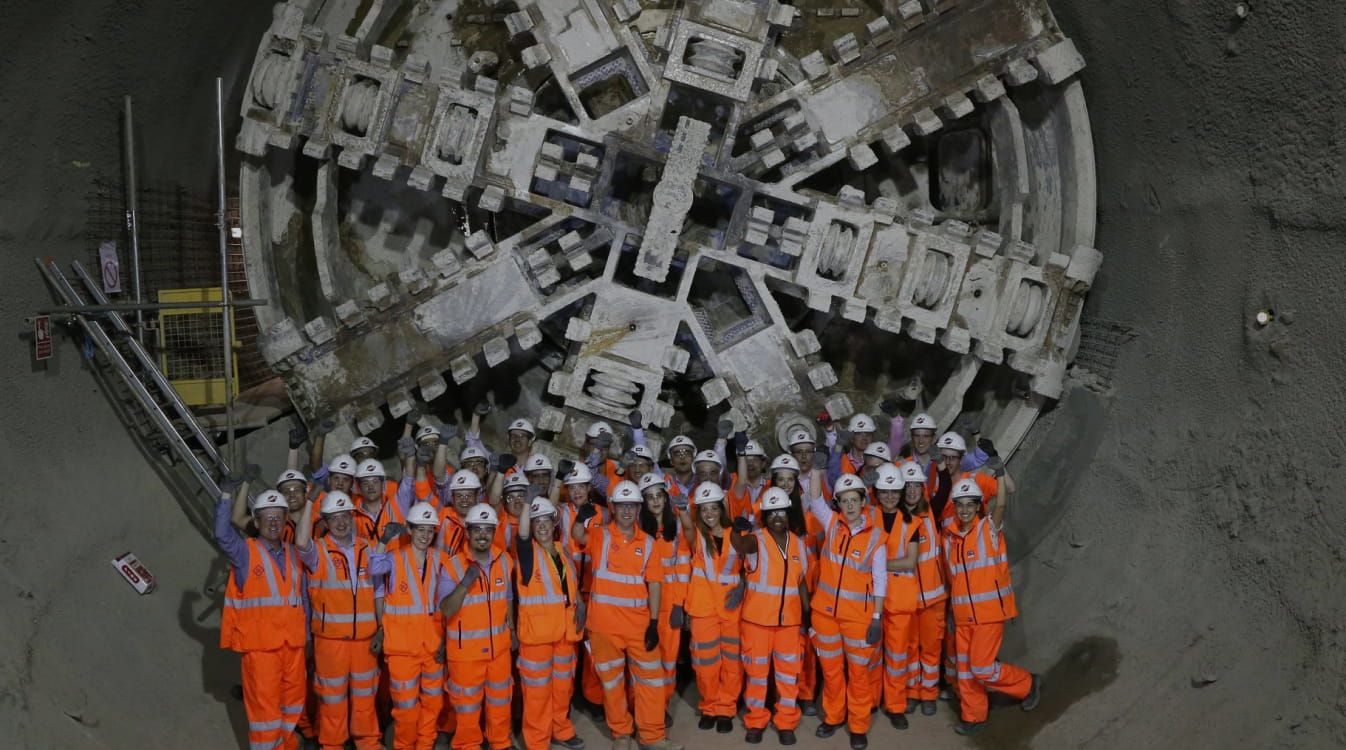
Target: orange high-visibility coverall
{"points": [[981, 598], [677, 561], [548, 596], [772, 615], [843, 608], [413, 634], [899, 616], [452, 539], [715, 648], [618, 616], [927, 633], [476, 642], [264, 621], [346, 672], [590, 687]]}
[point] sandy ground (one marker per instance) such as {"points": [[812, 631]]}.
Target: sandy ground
{"points": [[1177, 531]]}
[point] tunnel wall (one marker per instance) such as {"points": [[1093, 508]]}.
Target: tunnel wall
{"points": [[1178, 529]]}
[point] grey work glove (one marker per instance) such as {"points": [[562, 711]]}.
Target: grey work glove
{"points": [[298, 436], [324, 427], [635, 419], [392, 531], [677, 617], [734, 598], [997, 466], [425, 454], [725, 428], [447, 432], [251, 473], [875, 632], [406, 447]]}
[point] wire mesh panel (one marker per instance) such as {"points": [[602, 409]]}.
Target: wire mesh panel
{"points": [[191, 356]]}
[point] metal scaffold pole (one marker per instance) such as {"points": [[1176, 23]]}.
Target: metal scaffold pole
{"points": [[222, 218], [133, 215]]}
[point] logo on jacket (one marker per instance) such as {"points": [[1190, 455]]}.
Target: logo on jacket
{"points": [[855, 553], [500, 582], [403, 587]]}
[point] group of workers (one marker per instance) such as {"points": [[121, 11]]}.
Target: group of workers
{"points": [[832, 580]]}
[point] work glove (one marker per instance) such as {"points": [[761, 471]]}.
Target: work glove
{"points": [[564, 468], [513, 639], [251, 473], [505, 462], [651, 635], [823, 419], [987, 447], [324, 427], [997, 466], [875, 632], [482, 409], [447, 432], [742, 525], [298, 436], [677, 617], [230, 484], [870, 475], [392, 531], [376, 643], [586, 511], [471, 576], [440, 656], [603, 440], [414, 414], [425, 454], [844, 436], [740, 442], [724, 428], [635, 419], [734, 598], [406, 447], [889, 406], [580, 615], [969, 424]]}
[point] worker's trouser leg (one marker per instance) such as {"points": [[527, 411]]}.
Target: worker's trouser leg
{"points": [[717, 662], [846, 661], [980, 671], [345, 676], [669, 640], [273, 696], [545, 672], [808, 670], [612, 655], [763, 649], [477, 688], [924, 646], [448, 718], [590, 686], [898, 660], [416, 685]]}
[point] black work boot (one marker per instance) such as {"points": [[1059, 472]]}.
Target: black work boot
{"points": [[1031, 700], [859, 741]]}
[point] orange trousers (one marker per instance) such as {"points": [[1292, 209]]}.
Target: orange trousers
{"points": [[899, 663], [669, 641], [717, 663], [273, 696], [927, 640], [613, 655], [345, 677], [976, 648], [808, 672], [765, 648], [847, 662], [417, 690], [472, 684], [547, 674]]}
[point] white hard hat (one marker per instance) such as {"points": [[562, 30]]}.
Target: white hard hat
{"points": [[342, 464], [362, 443], [643, 451], [516, 481], [336, 501], [952, 441], [923, 421], [652, 480], [710, 456], [370, 467], [774, 498], [966, 488], [847, 482], [464, 480], [425, 433], [626, 491], [708, 492], [291, 475], [541, 507], [269, 499], [423, 514], [522, 425], [471, 452], [481, 514], [889, 477], [861, 423], [784, 462], [912, 472], [578, 475], [753, 449], [537, 462], [680, 441], [800, 435], [598, 428], [879, 450]]}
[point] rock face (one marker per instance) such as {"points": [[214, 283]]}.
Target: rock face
{"points": [[1175, 521], [691, 213]]}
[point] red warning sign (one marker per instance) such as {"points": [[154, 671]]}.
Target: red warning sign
{"points": [[42, 336]]}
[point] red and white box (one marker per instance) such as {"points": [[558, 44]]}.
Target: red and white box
{"points": [[135, 573]]}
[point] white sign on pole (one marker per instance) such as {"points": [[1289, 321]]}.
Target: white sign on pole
{"points": [[110, 267]]}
